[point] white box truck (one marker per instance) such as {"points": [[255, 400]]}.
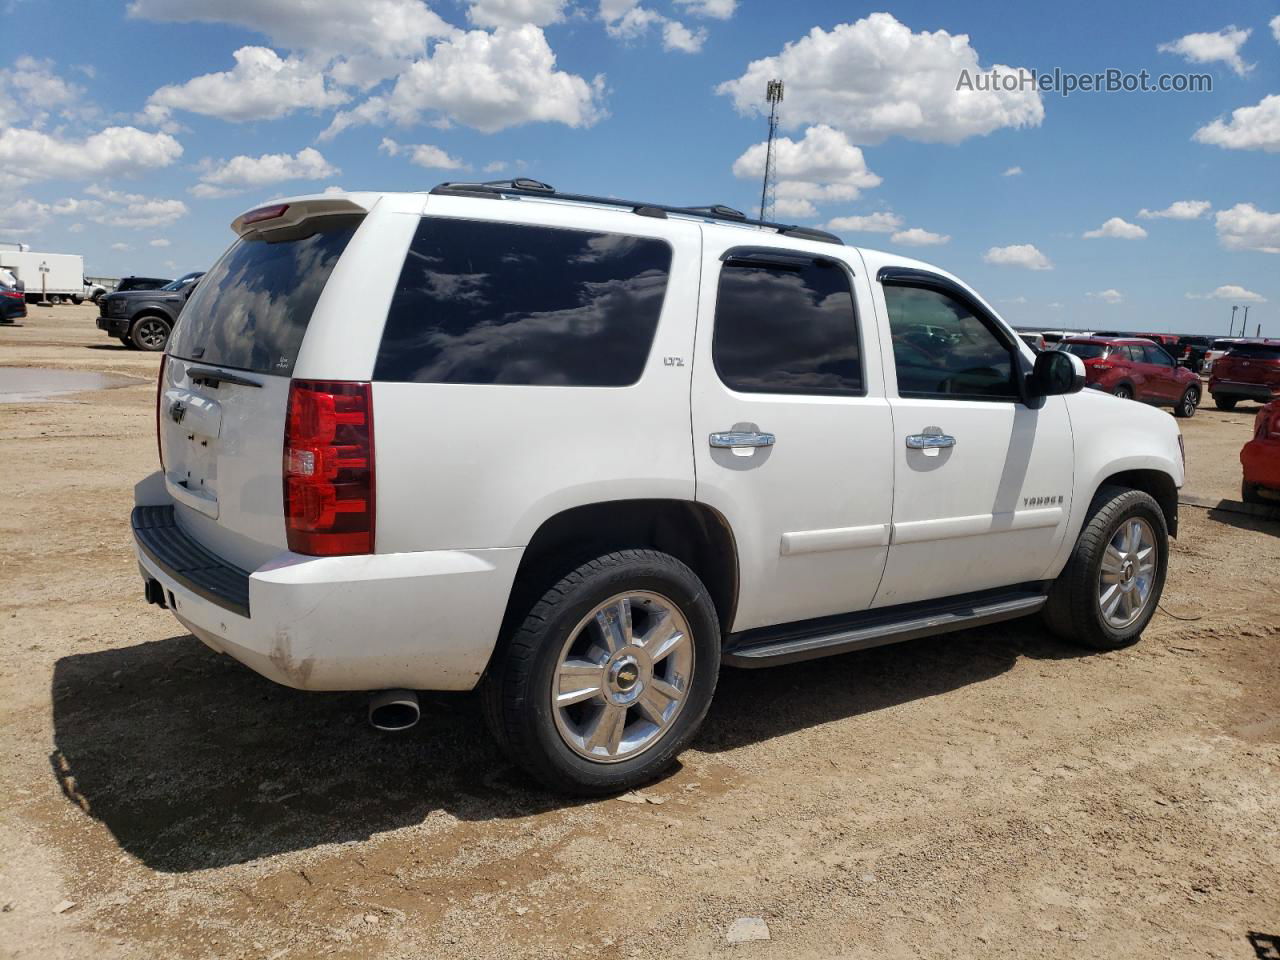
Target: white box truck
{"points": [[62, 273]]}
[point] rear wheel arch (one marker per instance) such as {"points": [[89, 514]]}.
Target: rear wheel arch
{"points": [[1157, 483], [692, 532]]}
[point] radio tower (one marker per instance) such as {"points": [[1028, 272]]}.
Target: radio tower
{"points": [[768, 189]]}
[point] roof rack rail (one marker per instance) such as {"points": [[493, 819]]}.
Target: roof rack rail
{"points": [[526, 187]]}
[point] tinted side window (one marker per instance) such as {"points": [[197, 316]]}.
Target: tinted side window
{"points": [[941, 349], [1134, 354], [784, 329], [482, 302], [1157, 356]]}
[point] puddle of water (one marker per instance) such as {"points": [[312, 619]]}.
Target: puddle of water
{"points": [[37, 384]]}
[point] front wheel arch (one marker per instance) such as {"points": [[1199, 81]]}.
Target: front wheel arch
{"points": [[1158, 484]]}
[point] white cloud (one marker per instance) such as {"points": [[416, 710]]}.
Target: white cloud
{"points": [[243, 173], [876, 79], [1275, 27], [870, 223], [1178, 210], [133, 210], [29, 155], [915, 237], [1018, 255], [121, 246], [1110, 295], [159, 242], [386, 28], [422, 154], [76, 228], [497, 166], [676, 36], [627, 20], [822, 166], [513, 13], [30, 90], [1117, 228], [1222, 45], [489, 81], [261, 86], [1230, 291], [1245, 227], [1250, 128], [23, 216], [716, 9], [1012, 172]]}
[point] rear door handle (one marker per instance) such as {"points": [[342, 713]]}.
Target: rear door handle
{"points": [[742, 438], [929, 441]]}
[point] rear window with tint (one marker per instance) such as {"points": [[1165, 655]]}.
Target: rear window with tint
{"points": [[1086, 351], [502, 303], [251, 310], [1259, 351]]}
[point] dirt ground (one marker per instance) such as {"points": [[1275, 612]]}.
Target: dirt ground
{"points": [[989, 793]]}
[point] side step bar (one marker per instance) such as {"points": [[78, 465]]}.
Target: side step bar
{"points": [[827, 636]]}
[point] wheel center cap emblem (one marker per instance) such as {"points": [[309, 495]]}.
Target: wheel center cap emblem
{"points": [[1128, 571], [627, 676]]}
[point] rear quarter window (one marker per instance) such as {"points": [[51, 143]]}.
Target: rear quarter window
{"points": [[481, 302], [251, 310], [1256, 351]]}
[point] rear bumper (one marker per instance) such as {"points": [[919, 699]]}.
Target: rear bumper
{"points": [[1243, 391], [424, 621], [1261, 462]]}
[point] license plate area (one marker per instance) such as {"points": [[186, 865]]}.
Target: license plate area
{"points": [[193, 424]]}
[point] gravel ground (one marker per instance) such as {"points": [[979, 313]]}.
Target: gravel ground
{"points": [[988, 793]]}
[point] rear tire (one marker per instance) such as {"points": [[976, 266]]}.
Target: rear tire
{"points": [[1225, 403], [1124, 392], [1077, 609], [1249, 494], [1186, 406], [567, 637], [77, 300]]}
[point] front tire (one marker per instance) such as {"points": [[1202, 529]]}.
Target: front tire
{"points": [[1111, 586], [1225, 403], [1124, 392], [609, 674], [1186, 406], [150, 333]]}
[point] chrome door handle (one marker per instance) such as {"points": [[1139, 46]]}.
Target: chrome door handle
{"points": [[929, 441], [739, 438]]}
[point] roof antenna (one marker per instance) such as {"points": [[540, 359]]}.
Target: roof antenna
{"points": [[769, 188]]}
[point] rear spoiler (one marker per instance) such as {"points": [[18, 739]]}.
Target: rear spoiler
{"points": [[290, 213]]}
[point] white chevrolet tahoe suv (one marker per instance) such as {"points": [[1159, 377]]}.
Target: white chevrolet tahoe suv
{"points": [[580, 453]]}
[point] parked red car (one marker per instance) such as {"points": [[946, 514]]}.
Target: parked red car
{"points": [[1261, 458], [1250, 370], [1137, 369]]}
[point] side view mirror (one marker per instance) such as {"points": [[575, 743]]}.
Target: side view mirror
{"points": [[1057, 372]]}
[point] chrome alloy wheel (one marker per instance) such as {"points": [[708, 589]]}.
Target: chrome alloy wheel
{"points": [[622, 677], [1128, 573]]}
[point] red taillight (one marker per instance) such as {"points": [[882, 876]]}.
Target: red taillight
{"points": [[164, 363], [16, 294], [265, 213], [328, 468]]}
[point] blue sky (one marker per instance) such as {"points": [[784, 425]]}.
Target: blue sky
{"points": [[143, 133]]}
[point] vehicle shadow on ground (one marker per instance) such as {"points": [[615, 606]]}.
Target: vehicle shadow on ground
{"points": [[1243, 521], [192, 761], [110, 347]]}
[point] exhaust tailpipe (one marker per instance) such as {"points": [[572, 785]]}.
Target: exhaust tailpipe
{"points": [[394, 710]]}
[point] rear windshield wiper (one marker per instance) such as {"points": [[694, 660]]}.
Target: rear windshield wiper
{"points": [[211, 377]]}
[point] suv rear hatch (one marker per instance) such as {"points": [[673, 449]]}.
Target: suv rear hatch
{"points": [[1250, 363], [224, 386]]}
